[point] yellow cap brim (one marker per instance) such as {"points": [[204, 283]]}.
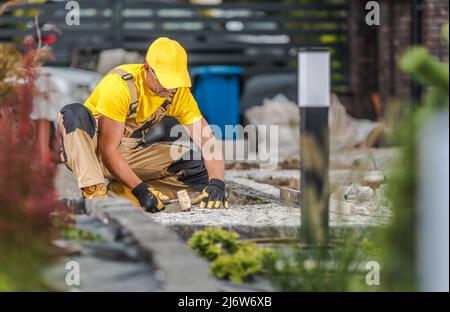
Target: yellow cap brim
{"points": [[174, 80]]}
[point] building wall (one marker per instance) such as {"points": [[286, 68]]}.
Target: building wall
{"points": [[434, 15], [363, 62], [394, 37], [378, 72]]}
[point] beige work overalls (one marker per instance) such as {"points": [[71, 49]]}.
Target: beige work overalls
{"points": [[159, 165]]}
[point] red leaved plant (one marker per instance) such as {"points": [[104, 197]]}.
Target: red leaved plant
{"points": [[27, 193]]}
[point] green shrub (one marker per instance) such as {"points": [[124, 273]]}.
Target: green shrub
{"points": [[238, 266], [231, 259], [213, 242]]}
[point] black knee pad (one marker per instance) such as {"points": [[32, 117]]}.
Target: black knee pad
{"points": [[77, 115], [194, 173]]}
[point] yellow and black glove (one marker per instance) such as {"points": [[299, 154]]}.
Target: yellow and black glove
{"points": [[150, 199], [213, 195]]}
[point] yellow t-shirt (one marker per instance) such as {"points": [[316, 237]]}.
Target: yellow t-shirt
{"points": [[111, 98]]}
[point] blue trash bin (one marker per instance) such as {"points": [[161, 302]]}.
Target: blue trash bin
{"points": [[216, 89]]}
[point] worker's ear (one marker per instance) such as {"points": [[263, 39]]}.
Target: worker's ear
{"points": [[146, 66]]}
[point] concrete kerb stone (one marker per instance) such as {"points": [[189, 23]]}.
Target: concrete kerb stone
{"points": [[181, 269]]}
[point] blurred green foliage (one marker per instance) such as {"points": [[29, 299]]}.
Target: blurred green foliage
{"points": [[338, 267], [64, 223], [399, 241], [72, 233]]}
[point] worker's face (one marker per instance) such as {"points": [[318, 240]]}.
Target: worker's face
{"points": [[155, 85]]}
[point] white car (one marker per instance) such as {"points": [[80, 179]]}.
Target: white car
{"points": [[59, 86]]}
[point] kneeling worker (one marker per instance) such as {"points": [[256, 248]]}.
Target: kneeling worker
{"points": [[104, 138]]}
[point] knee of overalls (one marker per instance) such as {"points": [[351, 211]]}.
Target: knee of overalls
{"points": [[78, 116], [193, 170]]}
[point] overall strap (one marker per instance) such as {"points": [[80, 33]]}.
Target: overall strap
{"points": [[128, 78], [138, 133]]}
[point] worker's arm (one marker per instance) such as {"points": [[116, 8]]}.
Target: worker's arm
{"points": [[110, 134], [214, 194], [201, 134]]}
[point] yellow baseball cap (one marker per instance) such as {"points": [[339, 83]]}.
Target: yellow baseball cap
{"points": [[168, 59]]}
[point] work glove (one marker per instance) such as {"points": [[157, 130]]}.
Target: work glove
{"points": [[213, 195], [149, 199]]}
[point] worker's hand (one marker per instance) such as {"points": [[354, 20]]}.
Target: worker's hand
{"points": [[213, 196], [149, 199]]}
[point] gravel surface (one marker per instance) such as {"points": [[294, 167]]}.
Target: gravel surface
{"points": [[342, 213]]}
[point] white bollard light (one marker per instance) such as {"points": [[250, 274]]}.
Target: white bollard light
{"points": [[314, 78], [314, 101]]}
